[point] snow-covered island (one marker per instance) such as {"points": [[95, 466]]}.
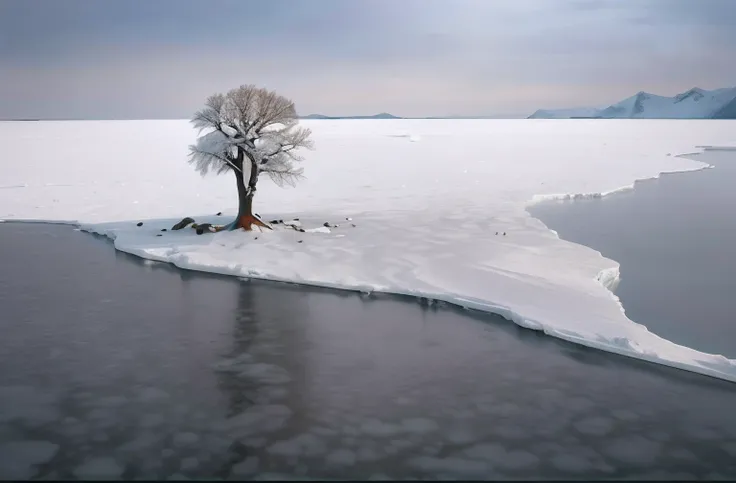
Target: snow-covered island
{"points": [[694, 103], [427, 208]]}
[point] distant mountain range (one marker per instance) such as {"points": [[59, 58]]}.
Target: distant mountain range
{"points": [[695, 103]]}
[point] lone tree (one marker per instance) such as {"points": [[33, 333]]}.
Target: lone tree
{"points": [[250, 131]]}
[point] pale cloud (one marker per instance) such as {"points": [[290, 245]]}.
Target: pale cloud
{"points": [[140, 59]]}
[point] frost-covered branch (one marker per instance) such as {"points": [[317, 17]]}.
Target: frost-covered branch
{"points": [[285, 140], [210, 116], [282, 172], [250, 124], [213, 152], [240, 110]]}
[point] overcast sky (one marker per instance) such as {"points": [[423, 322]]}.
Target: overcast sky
{"points": [[103, 59]]}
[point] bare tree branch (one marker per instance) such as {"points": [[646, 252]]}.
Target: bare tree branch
{"points": [[209, 117], [283, 174], [205, 162]]}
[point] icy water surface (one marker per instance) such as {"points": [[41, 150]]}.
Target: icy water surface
{"points": [[674, 238], [117, 368]]}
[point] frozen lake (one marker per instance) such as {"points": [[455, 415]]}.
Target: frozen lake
{"points": [[430, 208], [118, 367], [674, 238]]}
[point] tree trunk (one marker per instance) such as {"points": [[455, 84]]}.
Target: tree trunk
{"points": [[245, 218]]}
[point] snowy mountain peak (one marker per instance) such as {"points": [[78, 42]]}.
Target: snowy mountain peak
{"points": [[695, 103], [695, 93]]}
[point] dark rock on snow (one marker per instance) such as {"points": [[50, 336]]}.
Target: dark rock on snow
{"points": [[140, 223], [163, 229], [202, 227], [159, 234], [184, 222], [300, 241], [219, 213]]}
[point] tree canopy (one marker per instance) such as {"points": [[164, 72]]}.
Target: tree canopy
{"points": [[250, 128]]}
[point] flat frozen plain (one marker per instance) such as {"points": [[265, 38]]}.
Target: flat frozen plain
{"points": [[427, 198]]}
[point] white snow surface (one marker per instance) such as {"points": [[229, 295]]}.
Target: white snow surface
{"points": [[694, 103], [425, 213]]}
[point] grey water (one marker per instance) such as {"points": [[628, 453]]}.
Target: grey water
{"points": [[674, 238], [114, 367]]}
